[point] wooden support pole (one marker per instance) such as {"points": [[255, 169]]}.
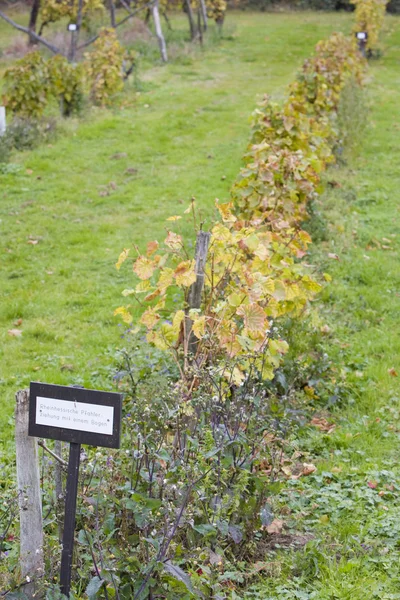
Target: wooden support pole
{"points": [[29, 497], [203, 9], [3, 126], [159, 33], [192, 25], [196, 290]]}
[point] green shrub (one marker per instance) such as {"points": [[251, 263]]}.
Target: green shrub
{"points": [[27, 86], [66, 82], [105, 68]]}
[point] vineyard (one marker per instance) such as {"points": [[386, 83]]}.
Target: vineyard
{"points": [[225, 275]]}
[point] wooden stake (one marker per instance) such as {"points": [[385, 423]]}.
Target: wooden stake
{"points": [[204, 13], [29, 497], [159, 33], [2, 120], [196, 290]]}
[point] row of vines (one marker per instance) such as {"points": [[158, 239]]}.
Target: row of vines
{"points": [[184, 509]]}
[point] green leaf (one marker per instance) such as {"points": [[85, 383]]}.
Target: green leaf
{"points": [[180, 575], [205, 529], [93, 587]]}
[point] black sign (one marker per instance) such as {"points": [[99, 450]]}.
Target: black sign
{"points": [[75, 415]]}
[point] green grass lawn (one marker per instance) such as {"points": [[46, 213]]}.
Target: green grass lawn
{"points": [[185, 133]]}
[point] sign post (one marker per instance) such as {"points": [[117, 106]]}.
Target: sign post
{"points": [[362, 38], [78, 416]]}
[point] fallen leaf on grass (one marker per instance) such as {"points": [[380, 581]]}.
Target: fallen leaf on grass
{"points": [[33, 242], [119, 155], [287, 471], [308, 469], [372, 484], [333, 256], [18, 322], [392, 372], [275, 527], [325, 329], [15, 332], [335, 184], [322, 424]]}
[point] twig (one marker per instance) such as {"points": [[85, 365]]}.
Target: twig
{"points": [[53, 454], [132, 14], [32, 34]]}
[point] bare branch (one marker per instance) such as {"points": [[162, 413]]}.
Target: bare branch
{"points": [[53, 454], [131, 14], [31, 33]]}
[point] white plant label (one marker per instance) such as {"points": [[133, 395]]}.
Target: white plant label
{"points": [[80, 416]]}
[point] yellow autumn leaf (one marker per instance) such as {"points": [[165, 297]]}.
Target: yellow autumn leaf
{"points": [[292, 291], [235, 375], [190, 207], [125, 314], [173, 241], [144, 267], [143, 287], [185, 273], [221, 233], [199, 327], [122, 258], [154, 337], [149, 318], [225, 210], [174, 218], [177, 319], [253, 315], [235, 299], [278, 347], [165, 279], [128, 292], [268, 286]]}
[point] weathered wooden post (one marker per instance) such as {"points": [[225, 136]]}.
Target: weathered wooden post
{"points": [[203, 9], [192, 25], [29, 497], [3, 125], [159, 33], [196, 290]]}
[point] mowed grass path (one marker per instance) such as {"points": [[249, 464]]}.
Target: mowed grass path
{"points": [[350, 508], [185, 134]]}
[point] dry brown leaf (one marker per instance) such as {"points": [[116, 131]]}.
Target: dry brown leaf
{"points": [[333, 256], [33, 242], [392, 372], [325, 329], [15, 332], [275, 527], [322, 424], [308, 469], [18, 322]]}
